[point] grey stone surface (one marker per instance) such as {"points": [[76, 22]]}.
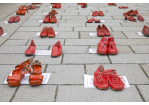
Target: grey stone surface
{"points": [[15, 42], [106, 24], [101, 17], [74, 17], [134, 24], [131, 41], [145, 68], [144, 49], [144, 91], [73, 25], [134, 35], [138, 29]]}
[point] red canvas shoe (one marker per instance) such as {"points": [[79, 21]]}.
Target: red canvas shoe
{"points": [[130, 18], [102, 46], [44, 32], [53, 12], [100, 13], [56, 49], [112, 46], [16, 19], [51, 32], [58, 5], [97, 20], [31, 49], [90, 20], [54, 5], [94, 13], [46, 19], [11, 19], [145, 30], [134, 13], [128, 13], [140, 18], [53, 19], [106, 31], [1, 31], [100, 31]]}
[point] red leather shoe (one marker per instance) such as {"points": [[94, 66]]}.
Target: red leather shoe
{"points": [[58, 5], [134, 13], [18, 12], [44, 32], [51, 32], [90, 20], [1, 31], [24, 11], [114, 4], [46, 19], [125, 7], [54, 5], [53, 19], [97, 20], [112, 46], [83, 5], [16, 19], [100, 31], [145, 30], [106, 31], [128, 13], [102, 46], [140, 18], [94, 13], [53, 12], [110, 4], [31, 49], [130, 18], [121, 7], [100, 13], [56, 49], [11, 19]]}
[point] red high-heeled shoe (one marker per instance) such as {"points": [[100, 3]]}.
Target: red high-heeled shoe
{"points": [[56, 49], [90, 20]]}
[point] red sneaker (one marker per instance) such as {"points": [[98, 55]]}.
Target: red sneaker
{"points": [[128, 13], [51, 32], [94, 13], [53, 19], [44, 32], [56, 49], [145, 30], [112, 46], [11, 19], [100, 31], [90, 20], [99, 70], [16, 19], [31, 49], [134, 13], [130, 18], [46, 19], [1, 31], [97, 20], [140, 18], [102, 46], [106, 31], [58, 5], [100, 13]]}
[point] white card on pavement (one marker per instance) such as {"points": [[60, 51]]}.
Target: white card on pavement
{"points": [[43, 52], [4, 34], [38, 34], [92, 34], [139, 33], [40, 21], [12, 23], [44, 13], [92, 50]]}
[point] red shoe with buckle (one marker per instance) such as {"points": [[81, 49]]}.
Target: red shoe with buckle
{"points": [[145, 30], [51, 32], [130, 18], [56, 49], [31, 49], [106, 31], [100, 13], [11, 19], [128, 13], [94, 13], [1, 31], [102, 46], [134, 13], [53, 19], [140, 18], [58, 5], [46, 19], [44, 32], [100, 31], [97, 20], [16, 19], [112, 46], [90, 20]]}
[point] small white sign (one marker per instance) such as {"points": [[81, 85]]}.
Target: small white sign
{"points": [[40, 21], [12, 23], [4, 34], [43, 52], [139, 33], [38, 34], [25, 80], [92, 34], [44, 13], [92, 50], [88, 81]]}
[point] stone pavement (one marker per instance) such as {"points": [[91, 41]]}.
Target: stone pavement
{"points": [[67, 79]]}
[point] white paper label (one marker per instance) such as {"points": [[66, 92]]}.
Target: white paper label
{"points": [[44, 13], [91, 50], [12, 23], [4, 34], [38, 34], [43, 52], [40, 21], [92, 34], [139, 33]]}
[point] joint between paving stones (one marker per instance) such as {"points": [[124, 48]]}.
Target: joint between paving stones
{"points": [[79, 35], [109, 59], [62, 58], [143, 71], [56, 93], [124, 34], [14, 94], [45, 69], [140, 93], [85, 71]]}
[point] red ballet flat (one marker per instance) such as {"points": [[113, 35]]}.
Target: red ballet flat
{"points": [[31, 49], [97, 20], [100, 31], [106, 31], [11, 19], [51, 32], [44, 32], [140, 18], [56, 49], [46, 19], [100, 13], [94, 13], [53, 19], [16, 19]]}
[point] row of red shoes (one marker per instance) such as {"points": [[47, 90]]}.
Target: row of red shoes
{"points": [[50, 18], [102, 31], [56, 49], [93, 19], [47, 32], [13, 19], [97, 13], [56, 5], [105, 78], [35, 77]]}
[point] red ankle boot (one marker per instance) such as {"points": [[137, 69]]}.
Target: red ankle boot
{"points": [[31, 49], [102, 46], [100, 31], [56, 49], [1, 31], [44, 32], [51, 32], [53, 19], [112, 46], [106, 31], [46, 19], [145, 30]]}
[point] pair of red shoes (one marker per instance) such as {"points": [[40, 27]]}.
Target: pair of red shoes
{"points": [[47, 32], [83, 5], [56, 49], [102, 31], [31, 7], [139, 17], [112, 4], [145, 30], [50, 18], [99, 13], [131, 13], [1, 31], [56, 5], [22, 10], [103, 78], [121, 7], [14, 19], [35, 78], [93, 19], [107, 45]]}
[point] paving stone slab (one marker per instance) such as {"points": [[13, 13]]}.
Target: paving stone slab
{"points": [[73, 25], [143, 49], [36, 17], [132, 24], [88, 28], [69, 93], [33, 93], [49, 24], [74, 17], [145, 68], [138, 29], [106, 24], [134, 35], [131, 41], [62, 74], [15, 42], [81, 10], [119, 17], [144, 91], [31, 24]]}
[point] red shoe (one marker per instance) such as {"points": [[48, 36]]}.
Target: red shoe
{"points": [[106, 31], [18, 12], [145, 30], [100, 13], [83, 5], [99, 70], [33, 6], [46, 19], [130, 18], [121, 7], [53, 12], [112, 46], [110, 4], [90, 20], [140, 18], [11, 19], [97, 20], [1, 31], [128, 13], [53, 19], [114, 4], [54, 5], [31, 49], [58, 5], [24, 11], [125, 7], [102, 46], [51, 32], [56, 49], [100, 31], [134, 13], [44, 32], [94, 13], [16, 19]]}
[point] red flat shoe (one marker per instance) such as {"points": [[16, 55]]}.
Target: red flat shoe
{"points": [[31, 49], [121, 7], [83, 5], [90, 20], [1, 31], [46, 19], [114, 4], [56, 49], [24, 11], [125, 7], [94, 13], [134, 13], [11, 19], [102, 46], [33, 6], [145, 30], [128, 13], [130, 18], [16, 19], [53, 19], [112, 46], [97, 20], [18, 12], [54, 5], [140, 18], [44, 32], [58, 5], [99, 70], [100, 31], [109, 3], [100, 13], [106, 31], [53, 12], [36, 76], [51, 32]]}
